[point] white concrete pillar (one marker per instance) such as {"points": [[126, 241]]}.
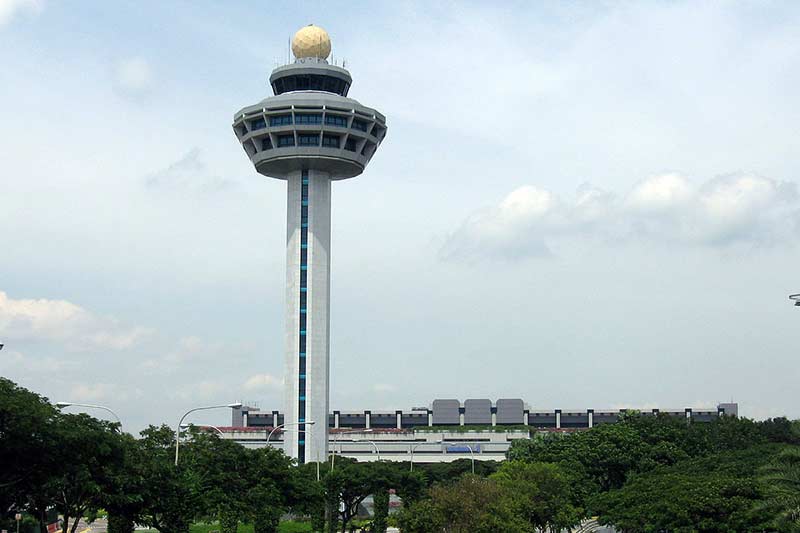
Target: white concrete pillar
{"points": [[590, 412], [308, 388], [367, 418], [558, 418]]}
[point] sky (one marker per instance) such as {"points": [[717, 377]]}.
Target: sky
{"points": [[581, 204]]}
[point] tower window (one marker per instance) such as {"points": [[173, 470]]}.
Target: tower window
{"points": [[308, 140], [266, 143], [285, 140], [335, 120], [258, 124], [331, 141], [280, 120], [359, 125], [350, 145], [308, 119]]}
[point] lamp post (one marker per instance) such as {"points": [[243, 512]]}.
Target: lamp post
{"points": [[215, 428], [333, 455], [794, 297], [236, 405], [414, 447], [469, 447], [282, 426], [62, 405]]}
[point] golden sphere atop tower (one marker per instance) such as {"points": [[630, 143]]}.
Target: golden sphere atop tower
{"points": [[311, 41]]}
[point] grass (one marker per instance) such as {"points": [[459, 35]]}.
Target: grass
{"points": [[290, 526]]}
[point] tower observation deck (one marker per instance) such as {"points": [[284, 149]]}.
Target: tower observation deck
{"points": [[309, 133]]}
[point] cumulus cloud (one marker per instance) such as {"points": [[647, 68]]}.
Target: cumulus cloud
{"points": [[133, 76], [733, 209], [10, 8], [64, 322], [260, 382]]}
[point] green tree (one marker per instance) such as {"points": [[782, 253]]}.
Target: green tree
{"points": [[719, 492], [273, 487], [170, 499], [221, 468], [540, 493], [89, 450], [781, 480], [471, 504], [27, 437]]}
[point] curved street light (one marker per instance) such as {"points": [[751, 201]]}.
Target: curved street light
{"points": [[206, 426], [236, 405], [468, 445], [795, 298], [414, 447], [333, 455], [281, 426], [62, 405]]}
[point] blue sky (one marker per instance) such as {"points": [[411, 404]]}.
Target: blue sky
{"points": [[580, 204]]}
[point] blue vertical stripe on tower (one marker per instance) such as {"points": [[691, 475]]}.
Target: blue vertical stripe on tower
{"points": [[301, 406]]}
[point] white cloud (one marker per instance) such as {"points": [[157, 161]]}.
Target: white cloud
{"points": [[734, 209], [201, 390], [64, 322], [188, 173], [93, 392], [10, 8], [133, 76], [260, 382]]}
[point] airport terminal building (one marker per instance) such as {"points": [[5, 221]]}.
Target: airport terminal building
{"points": [[447, 430]]}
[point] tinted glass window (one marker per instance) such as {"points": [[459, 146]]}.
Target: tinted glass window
{"points": [[359, 125], [308, 119], [286, 140], [335, 120], [258, 124], [308, 140], [330, 140], [280, 120]]}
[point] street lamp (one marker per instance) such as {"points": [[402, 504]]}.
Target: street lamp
{"points": [[333, 455], [793, 297], [62, 405], [281, 426], [469, 447], [236, 405], [414, 447], [207, 426]]}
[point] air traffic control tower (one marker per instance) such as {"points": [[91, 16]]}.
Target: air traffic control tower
{"points": [[309, 134]]}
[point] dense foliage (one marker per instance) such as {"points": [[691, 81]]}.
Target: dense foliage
{"points": [[645, 473]]}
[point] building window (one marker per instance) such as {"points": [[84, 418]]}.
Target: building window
{"points": [[266, 144], [308, 140], [308, 119], [335, 120], [280, 120], [359, 125], [285, 140], [258, 124], [350, 145], [304, 190], [331, 141]]}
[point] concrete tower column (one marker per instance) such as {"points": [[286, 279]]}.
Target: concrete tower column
{"points": [[308, 243]]}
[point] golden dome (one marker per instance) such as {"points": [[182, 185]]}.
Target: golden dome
{"points": [[311, 41]]}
